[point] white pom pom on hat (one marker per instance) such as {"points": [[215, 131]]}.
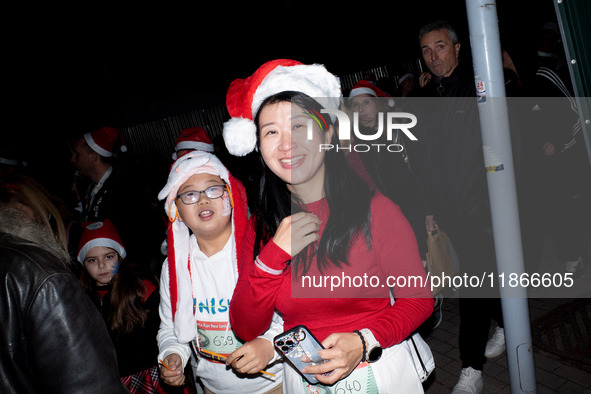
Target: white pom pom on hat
{"points": [[245, 96], [240, 136]]}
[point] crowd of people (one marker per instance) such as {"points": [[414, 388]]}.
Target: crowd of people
{"points": [[112, 294]]}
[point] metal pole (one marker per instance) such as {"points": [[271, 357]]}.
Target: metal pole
{"points": [[494, 122]]}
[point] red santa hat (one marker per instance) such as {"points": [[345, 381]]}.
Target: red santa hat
{"points": [[366, 87], [194, 138], [99, 234], [245, 96], [178, 237], [103, 140]]}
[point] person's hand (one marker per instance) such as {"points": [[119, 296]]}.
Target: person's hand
{"points": [[343, 352], [297, 231], [424, 78], [548, 149], [175, 376], [252, 357], [430, 223]]}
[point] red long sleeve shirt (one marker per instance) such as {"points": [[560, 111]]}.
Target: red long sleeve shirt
{"points": [[265, 283]]}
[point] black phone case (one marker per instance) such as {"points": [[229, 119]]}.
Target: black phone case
{"points": [[296, 342]]}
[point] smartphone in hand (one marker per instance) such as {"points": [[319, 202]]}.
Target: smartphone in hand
{"points": [[296, 342]]}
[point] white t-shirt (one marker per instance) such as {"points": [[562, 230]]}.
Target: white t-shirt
{"points": [[213, 281]]}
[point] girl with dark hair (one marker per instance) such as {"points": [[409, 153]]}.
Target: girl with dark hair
{"points": [[128, 300], [316, 218]]}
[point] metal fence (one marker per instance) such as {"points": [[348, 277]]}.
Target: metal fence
{"points": [[158, 137]]}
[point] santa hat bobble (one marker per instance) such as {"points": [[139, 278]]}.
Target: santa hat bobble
{"points": [[99, 234], [194, 138], [178, 236], [103, 140], [366, 87], [245, 96]]}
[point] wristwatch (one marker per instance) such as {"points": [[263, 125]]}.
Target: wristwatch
{"points": [[374, 349]]}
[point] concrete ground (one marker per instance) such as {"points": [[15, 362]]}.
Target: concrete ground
{"points": [[554, 374]]}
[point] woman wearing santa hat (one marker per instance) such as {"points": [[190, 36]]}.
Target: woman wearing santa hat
{"points": [[316, 218], [128, 300]]}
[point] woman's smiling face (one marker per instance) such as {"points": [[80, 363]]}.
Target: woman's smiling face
{"points": [[287, 150]]}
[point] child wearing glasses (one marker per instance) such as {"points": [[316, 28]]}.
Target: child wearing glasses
{"points": [[207, 209]]}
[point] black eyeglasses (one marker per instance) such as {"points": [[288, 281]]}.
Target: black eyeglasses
{"points": [[193, 196]]}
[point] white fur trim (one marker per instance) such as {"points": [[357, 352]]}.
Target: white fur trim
{"points": [[358, 91], [240, 136], [402, 78], [106, 242], [313, 80], [8, 161], [194, 145], [184, 321], [95, 147], [192, 163]]}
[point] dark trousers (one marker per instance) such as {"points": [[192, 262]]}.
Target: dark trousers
{"points": [[474, 245]]}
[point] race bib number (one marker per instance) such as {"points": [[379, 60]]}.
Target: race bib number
{"points": [[360, 381], [214, 337]]}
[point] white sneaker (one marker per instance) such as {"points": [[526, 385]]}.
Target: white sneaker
{"points": [[496, 344], [470, 382]]}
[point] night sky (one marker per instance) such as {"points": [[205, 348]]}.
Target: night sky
{"points": [[73, 70]]}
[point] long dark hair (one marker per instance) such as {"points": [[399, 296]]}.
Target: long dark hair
{"points": [[128, 291], [347, 195]]}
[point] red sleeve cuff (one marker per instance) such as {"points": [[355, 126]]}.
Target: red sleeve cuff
{"points": [[273, 257]]}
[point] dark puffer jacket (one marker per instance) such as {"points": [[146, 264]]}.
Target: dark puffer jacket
{"points": [[53, 340]]}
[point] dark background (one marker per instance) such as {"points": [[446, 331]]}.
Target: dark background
{"points": [[72, 70]]}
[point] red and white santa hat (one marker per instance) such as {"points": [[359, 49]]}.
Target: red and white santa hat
{"points": [[194, 138], [103, 140], [99, 234], [178, 236], [366, 87], [245, 96]]}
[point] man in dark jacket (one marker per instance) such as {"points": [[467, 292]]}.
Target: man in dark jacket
{"points": [[115, 193], [449, 163], [557, 179], [53, 339]]}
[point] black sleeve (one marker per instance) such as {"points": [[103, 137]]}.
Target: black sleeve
{"points": [[61, 316]]}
